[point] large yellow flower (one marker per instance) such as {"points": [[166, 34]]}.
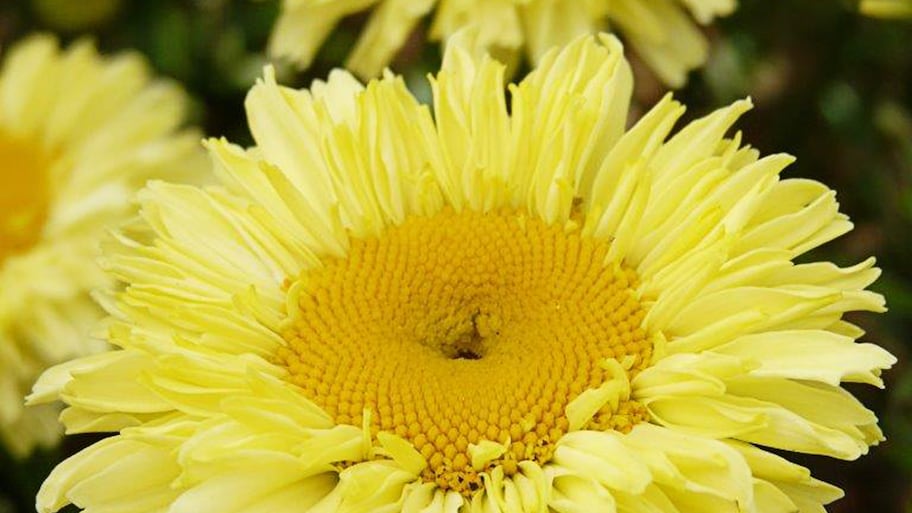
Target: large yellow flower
{"points": [[661, 31], [79, 134], [493, 308]]}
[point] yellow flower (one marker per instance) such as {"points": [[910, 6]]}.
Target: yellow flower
{"points": [[490, 308], [78, 136], [887, 8], [660, 31]]}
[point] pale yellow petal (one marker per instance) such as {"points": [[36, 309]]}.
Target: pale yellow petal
{"points": [[303, 25], [812, 355], [584, 115], [386, 32], [605, 458], [255, 487], [115, 473], [663, 35]]}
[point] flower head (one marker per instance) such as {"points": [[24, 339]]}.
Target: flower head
{"points": [[660, 31], [79, 134], [491, 308]]}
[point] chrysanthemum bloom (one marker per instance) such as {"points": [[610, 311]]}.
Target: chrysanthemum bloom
{"points": [[487, 309], [660, 31], [79, 134], [887, 8]]}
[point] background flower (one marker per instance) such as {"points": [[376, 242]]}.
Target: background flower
{"points": [[79, 134], [887, 8], [663, 32]]}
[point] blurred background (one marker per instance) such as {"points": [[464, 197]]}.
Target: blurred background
{"points": [[830, 87]]}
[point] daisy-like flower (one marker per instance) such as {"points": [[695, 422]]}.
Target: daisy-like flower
{"points": [[887, 8], [79, 134], [494, 308], [660, 31]]}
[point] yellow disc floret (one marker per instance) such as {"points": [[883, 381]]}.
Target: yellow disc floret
{"points": [[463, 327], [24, 194]]}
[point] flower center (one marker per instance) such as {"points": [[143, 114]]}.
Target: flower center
{"points": [[24, 195], [463, 327]]}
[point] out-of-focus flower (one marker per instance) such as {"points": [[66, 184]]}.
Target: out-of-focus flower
{"points": [[887, 8], [660, 31], [79, 134], [484, 309], [69, 16]]}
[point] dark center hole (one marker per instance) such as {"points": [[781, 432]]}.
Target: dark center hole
{"points": [[466, 354], [466, 341]]}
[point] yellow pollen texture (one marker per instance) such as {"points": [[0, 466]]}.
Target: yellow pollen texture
{"points": [[24, 195], [462, 327]]}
